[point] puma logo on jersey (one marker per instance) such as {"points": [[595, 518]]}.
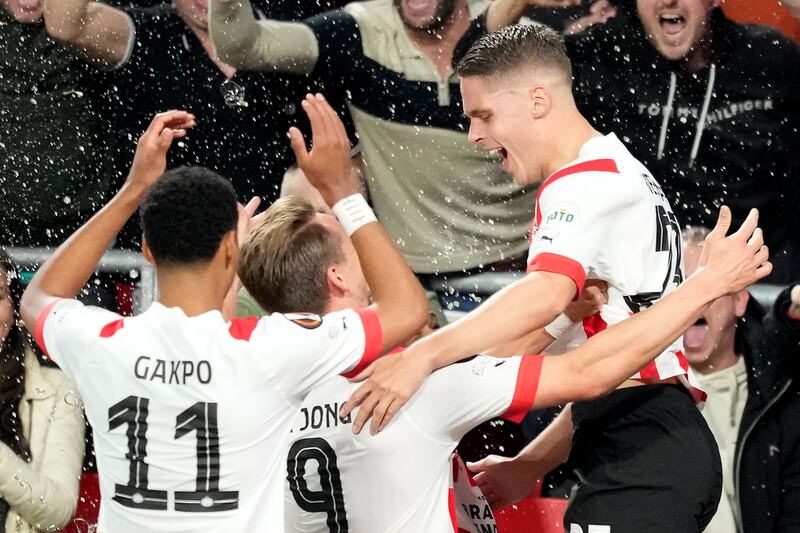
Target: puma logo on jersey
{"points": [[546, 238]]}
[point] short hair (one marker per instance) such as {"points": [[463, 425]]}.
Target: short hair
{"points": [[507, 50], [284, 261], [185, 215]]}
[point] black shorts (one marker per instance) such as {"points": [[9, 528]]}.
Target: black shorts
{"points": [[646, 461]]}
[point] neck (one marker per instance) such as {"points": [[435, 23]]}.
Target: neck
{"points": [[700, 58], [568, 146], [194, 290]]}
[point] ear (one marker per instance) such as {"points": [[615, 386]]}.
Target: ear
{"points": [[740, 300], [337, 286], [540, 101], [230, 249], [147, 252]]}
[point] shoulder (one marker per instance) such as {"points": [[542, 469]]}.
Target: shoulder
{"points": [[752, 46], [375, 13]]}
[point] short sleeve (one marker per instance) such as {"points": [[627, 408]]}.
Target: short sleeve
{"points": [[573, 218], [339, 40], [66, 327], [304, 350], [457, 398]]}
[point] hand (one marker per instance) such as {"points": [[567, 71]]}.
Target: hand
{"points": [[392, 381], [150, 160], [593, 297], [248, 219], [504, 480], [735, 262], [599, 13], [327, 166], [794, 306]]}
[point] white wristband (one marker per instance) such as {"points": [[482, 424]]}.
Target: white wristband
{"points": [[559, 326], [353, 212]]}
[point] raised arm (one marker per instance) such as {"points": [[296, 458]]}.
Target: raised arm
{"points": [[246, 43], [398, 297], [71, 265], [502, 13], [100, 32]]}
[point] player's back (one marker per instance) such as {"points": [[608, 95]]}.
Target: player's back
{"points": [[399, 480], [190, 413]]}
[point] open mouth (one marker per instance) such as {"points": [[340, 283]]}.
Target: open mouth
{"points": [[672, 23], [421, 8], [30, 5], [695, 337]]}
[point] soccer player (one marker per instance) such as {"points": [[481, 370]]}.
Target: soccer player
{"points": [[190, 411], [646, 458], [398, 481]]}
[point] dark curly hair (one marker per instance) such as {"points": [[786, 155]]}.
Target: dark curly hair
{"points": [[12, 371], [185, 215]]}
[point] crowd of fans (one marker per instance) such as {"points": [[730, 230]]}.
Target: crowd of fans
{"points": [[717, 121]]}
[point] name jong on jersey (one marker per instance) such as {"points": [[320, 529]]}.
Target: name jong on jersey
{"points": [[605, 217]]}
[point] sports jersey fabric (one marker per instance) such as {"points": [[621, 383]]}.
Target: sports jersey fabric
{"points": [[604, 216], [398, 481], [190, 413]]}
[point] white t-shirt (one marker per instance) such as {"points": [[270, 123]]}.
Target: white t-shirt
{"points": [[604, 216], [190, 413], [399, 480]]}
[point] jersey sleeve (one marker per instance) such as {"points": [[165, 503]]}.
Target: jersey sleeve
{"points": [[457, 398], [574, 216], [66, 327], [305, 350]]}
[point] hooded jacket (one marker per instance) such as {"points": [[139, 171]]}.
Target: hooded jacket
{"points": [[729, 134], [767, 460]]}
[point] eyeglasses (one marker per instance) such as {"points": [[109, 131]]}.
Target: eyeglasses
{"points": [[233, 94]]}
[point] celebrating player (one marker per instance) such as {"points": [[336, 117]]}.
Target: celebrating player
{"points": [[599, 214], [189, 411], [398, 481]]}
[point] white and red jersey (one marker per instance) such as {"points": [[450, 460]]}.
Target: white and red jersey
{"points": [[604, 216], [399, 480], [190, 414]]}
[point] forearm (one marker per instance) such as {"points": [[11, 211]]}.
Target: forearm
{"points": [[98, 31], [72, 264], [397, 295], [533, 343], [510, 314], [606, 360], [551, 448], [245, 43], [502, 13]]}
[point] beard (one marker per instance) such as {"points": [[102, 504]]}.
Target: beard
{"points": [[444, 10]]}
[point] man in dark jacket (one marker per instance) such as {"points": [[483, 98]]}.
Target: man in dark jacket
{"points": [[710, 106], [746, 359]]}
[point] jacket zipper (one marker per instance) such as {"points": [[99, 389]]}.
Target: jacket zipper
{"points": [[739, 455]]}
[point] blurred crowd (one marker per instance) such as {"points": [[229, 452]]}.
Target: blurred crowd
{"points": [[716, 119]]}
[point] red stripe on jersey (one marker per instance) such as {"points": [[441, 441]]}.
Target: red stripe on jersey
{"points": [[682, 361], [451, 505], [559, 264], [530, 370], [242, 328], [40, 325], [594, 324], [595, 165], [111, 328], [373, 341], [649, 372]]}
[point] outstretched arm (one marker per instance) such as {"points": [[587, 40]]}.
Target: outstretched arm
{"points": [[71, 265], [398, 297], [100, 32], [249, 44]]}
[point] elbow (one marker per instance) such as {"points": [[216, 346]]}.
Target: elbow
{"points": [[418, 311], [55, 512]]}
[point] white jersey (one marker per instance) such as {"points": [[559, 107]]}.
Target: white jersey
{"points": [[190, 414], [604, 216], [399, 480]]}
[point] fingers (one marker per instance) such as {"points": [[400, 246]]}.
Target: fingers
{"points": [[381, 414], [252, 206], [723, 224], [298, 146], [748, 227], [756, 240], [392, 410], [356, 399], [764, 270], [365, 412], [477, 467]]}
